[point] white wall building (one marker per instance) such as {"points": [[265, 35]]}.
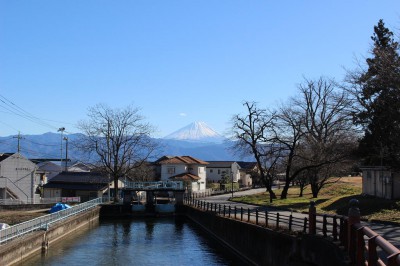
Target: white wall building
{"points": [[190, 170], [216, 170], [18, 178]]}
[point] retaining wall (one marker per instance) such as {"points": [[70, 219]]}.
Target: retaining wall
{"points": [[262, 246], [18, 249]]}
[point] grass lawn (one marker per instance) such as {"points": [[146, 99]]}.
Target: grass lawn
{"points": [[333, 199]]}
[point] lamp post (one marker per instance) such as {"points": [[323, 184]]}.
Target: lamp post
{"points": [[61, 129], [232, 183], [66, 153]]}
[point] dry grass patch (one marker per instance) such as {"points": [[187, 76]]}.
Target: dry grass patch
{"points": [[333, 199]]}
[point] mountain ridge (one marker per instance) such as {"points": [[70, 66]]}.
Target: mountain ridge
{"points": [[48, 145], [197, 131]]}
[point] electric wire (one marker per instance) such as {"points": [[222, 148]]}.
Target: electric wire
{"points": [[14, 109]]}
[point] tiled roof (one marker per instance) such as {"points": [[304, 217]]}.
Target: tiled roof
{"points": [[182, 160], [87, 187], [185, 177], [220, 164], [4, 156], [247, 165], [80, 177]]}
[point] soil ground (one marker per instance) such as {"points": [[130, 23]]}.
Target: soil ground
{"points": [[19, 216]]}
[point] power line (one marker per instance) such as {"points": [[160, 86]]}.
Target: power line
{"points": [[16, 110]]}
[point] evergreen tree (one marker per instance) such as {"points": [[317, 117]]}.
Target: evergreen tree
{"points": [[379, 99]]}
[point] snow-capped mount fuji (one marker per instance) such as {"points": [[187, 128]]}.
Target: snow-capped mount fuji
{"points": [[196, 132]]}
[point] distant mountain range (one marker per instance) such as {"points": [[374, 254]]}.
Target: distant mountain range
{"points": [[196, 139]]}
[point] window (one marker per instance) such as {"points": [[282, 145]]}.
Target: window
{"points": [[211, 170], [171, 170], [219, 171]]}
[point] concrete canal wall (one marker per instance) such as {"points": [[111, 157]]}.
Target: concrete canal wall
{"points": [[18, 249], [262, 246]]}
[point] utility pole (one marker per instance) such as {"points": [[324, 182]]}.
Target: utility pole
{"points": [[18, 137], [66, 153], [61, 129]]}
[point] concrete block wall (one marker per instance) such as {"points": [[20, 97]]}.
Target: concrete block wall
{"points": [[262, 246]]}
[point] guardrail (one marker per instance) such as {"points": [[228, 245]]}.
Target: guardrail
{"points": [[167, 185], [44, 222], [364, 246], [30, 201], [326, 225]]}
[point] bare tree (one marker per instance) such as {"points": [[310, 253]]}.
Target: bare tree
{"points": [[289, 132], [328, 129], [119, 138], [145, 172], [254, 136]]}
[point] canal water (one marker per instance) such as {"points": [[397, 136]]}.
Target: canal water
{"points": [[150, 241]]}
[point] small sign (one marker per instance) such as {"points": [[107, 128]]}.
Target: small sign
{"points": [[71, 199]]}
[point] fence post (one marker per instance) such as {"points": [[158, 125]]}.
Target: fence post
{"points": [[256, 216], [393, 259], [312, 220], [325, 226], [241, 213], [334, 229], [248, 215], [353, 218], [235, 212], [360, 246], [372, 254], [290, 222], [266, 218], [224, 210], [219, 209], [277, 220], [229, 211]]}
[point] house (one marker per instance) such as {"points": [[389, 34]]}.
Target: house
{"points": [[247, 171], [217, 170], [81, 167], [381, 181], [47, 170], [86, 185], [190, 170], [18, 178]]}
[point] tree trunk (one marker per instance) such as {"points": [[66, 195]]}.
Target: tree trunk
{"points": [[116, 198], [314, 190], [272, 195], [285, 189]]}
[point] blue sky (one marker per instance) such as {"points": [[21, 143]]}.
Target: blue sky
{"points": [[179, 61]]}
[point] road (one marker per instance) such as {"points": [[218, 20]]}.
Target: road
{"points": [[387, 231]]}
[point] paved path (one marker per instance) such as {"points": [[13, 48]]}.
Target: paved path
{"points": [[389, 232]]}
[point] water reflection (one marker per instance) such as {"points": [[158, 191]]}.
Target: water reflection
{"points": [[138, 242], [149, 229]]}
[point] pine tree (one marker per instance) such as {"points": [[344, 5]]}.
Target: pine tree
{"points": [[379, 97]]}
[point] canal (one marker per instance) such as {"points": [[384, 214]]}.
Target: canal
{"points": [[150, 241]]}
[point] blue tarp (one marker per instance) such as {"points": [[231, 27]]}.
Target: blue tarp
{"points": [[59, 207]]}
